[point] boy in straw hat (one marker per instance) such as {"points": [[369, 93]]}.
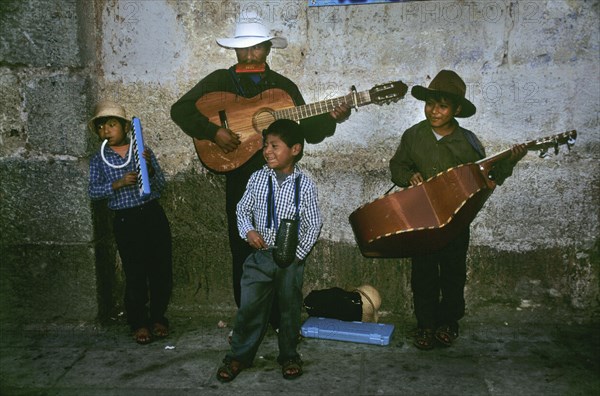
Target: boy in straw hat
{"points": [[252, 43], [140, 226], [434, 145]]}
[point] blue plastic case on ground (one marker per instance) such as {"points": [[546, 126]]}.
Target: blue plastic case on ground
{"points": [[334, 329]]}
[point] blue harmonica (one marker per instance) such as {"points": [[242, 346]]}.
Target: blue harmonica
{"points": [[140, 162]]}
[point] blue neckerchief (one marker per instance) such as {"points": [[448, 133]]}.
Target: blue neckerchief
{"points": [[255, 77]]}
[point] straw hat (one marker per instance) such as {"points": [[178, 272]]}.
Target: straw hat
{"points": [[449, 83], [107, 108], [249, 31], [371, 301]]}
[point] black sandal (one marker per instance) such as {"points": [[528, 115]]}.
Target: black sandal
{"points": [[292, 369], [424, 339], [446, 335], [230, 370]]}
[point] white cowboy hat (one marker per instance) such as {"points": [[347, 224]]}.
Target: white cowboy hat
{"points": [[249, 31]]}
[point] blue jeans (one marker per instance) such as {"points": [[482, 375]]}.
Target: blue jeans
{"points": [[265, 284]]}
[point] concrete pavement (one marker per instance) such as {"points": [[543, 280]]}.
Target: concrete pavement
{"points": [[501, 351]]}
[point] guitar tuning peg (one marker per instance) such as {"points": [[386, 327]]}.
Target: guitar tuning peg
{"points": [[544, 153], [354, 98]]}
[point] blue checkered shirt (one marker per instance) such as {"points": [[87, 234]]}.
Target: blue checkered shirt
{"points": [[102, 177], [252, 210]]}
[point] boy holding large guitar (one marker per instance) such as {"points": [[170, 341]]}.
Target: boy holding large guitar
{"points": [[432, 146], [230, 147]]}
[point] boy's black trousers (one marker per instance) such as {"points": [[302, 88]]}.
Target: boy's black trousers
{"points": [[143, 237], [438, 281]]}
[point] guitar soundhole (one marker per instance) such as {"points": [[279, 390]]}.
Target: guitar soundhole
{"points": [[262, 119]]}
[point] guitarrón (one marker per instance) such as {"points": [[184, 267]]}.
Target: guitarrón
{"points": [[425, 217]]}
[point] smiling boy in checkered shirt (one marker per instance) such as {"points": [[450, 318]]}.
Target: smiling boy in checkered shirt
{"points": [[280, 190]]}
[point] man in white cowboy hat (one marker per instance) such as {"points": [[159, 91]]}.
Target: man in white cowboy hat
{"points": [[252, 43], [434, 145]]}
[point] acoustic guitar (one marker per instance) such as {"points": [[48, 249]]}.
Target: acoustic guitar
{"points": [[248, 117], [424, 218]]}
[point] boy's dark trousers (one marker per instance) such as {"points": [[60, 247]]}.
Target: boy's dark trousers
{"points": [[438, 281], [143, 238], [264, 284]]}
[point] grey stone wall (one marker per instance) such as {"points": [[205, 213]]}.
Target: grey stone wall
{"points": [[47, 240], [531, 68]]}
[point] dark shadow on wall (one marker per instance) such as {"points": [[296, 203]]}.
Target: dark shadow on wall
{"points": [[109, 274]]}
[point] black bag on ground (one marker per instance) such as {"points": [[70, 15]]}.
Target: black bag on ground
{"points": [[335, 303]]}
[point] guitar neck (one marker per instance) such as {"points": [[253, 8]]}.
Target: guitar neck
{"points": [[538, 144], [495, 158], [354, 99]]}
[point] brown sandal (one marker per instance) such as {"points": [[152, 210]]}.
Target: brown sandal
{"points": [[159, 330], [445, 335], [230, 370], [292, 369], [142, 336], [424, 339]]}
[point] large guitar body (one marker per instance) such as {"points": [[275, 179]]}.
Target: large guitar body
{"points": [[424, 218], [247, 118], [421, 218]]}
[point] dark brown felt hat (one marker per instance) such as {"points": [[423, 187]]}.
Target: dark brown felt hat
{"points": [[448, 83]]}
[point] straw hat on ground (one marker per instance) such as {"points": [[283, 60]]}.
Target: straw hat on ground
{"points": [[371, 301]]}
